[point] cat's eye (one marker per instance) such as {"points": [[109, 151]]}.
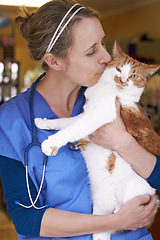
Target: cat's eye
{"points": [[118, 69], [134, 76]]}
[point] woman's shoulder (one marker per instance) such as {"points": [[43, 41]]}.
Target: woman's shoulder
{"points": [[15, 105], [14, 123]]}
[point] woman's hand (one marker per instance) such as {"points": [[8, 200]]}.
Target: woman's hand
{"points": [[137, 212], [114, 136]]}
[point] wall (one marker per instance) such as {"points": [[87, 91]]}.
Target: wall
{"points": [[22, 55], [125, 25], [121, 26]]}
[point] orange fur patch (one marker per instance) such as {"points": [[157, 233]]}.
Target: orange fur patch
{"points": [[86, 101], [111, 163], [139, 126], [83, 144]]}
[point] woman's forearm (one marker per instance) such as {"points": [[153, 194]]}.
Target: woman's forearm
{"points": [[115, 136], [134, 214], [60, 223], [142, 161]]}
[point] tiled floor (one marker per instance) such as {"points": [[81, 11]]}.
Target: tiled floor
{"points": [[7, 230]]}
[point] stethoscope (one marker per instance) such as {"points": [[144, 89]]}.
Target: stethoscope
{"points": [[35, 142]]}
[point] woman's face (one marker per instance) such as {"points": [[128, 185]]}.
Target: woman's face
{"points": [[87, 57]]}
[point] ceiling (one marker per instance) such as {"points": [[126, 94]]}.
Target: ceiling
{"points": [[105, 7]]}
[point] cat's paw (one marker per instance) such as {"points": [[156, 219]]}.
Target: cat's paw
{"points": [[102, 236], [116, 209], [48, 148], [51, 145], [42, 123]]}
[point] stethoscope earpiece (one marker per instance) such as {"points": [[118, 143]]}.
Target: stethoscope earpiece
{"points": [[19, 204]]}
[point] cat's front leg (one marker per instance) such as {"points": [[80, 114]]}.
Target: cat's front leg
{"points": [[44, 123], [102, 236], [76, 131], [51, 145], [86, 123], [54, 142], [54, 124]]}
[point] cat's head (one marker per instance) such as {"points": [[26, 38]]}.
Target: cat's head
{"points": [[128, 71]]}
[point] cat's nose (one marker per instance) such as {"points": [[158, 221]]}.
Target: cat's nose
{"points": [[123, 79]]}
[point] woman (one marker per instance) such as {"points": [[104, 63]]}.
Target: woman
{"points": [[76, 60]]}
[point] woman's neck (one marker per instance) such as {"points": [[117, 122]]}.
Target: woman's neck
{"points": [[59, 93]]}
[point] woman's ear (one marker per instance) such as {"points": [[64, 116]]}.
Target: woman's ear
{"points": [[53, 62]]}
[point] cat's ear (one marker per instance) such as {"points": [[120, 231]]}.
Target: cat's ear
{"points": [[117, 51], [151, 69]]}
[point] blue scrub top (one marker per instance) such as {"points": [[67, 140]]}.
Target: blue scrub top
{"points": [[66, 183]]}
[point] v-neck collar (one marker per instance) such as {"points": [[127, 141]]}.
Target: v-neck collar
{"points": [[43, 110], [80, 101]]}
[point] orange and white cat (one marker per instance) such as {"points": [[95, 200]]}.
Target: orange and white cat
{"points": [[112, 180]]}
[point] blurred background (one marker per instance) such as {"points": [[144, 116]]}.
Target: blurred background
{"points": [[134, 24]]}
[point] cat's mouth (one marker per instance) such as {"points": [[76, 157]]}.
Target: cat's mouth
{"points": [[119, 86], [120, 83]]}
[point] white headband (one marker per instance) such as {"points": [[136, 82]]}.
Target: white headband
{"points": [[55, 38]]}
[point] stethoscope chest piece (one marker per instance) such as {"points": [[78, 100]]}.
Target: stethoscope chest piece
{"points": [[74, 146]]}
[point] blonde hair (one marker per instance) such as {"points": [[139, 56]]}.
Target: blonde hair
{"points": [[38, 27]]}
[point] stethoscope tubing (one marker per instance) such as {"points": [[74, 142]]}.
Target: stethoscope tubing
{"points": [[35, 142]]}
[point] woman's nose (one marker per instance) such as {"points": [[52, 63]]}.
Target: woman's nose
{"points": [[105, 57]]}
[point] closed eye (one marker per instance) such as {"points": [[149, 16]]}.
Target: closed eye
{"points": [[91, 53], [95, 47]]}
